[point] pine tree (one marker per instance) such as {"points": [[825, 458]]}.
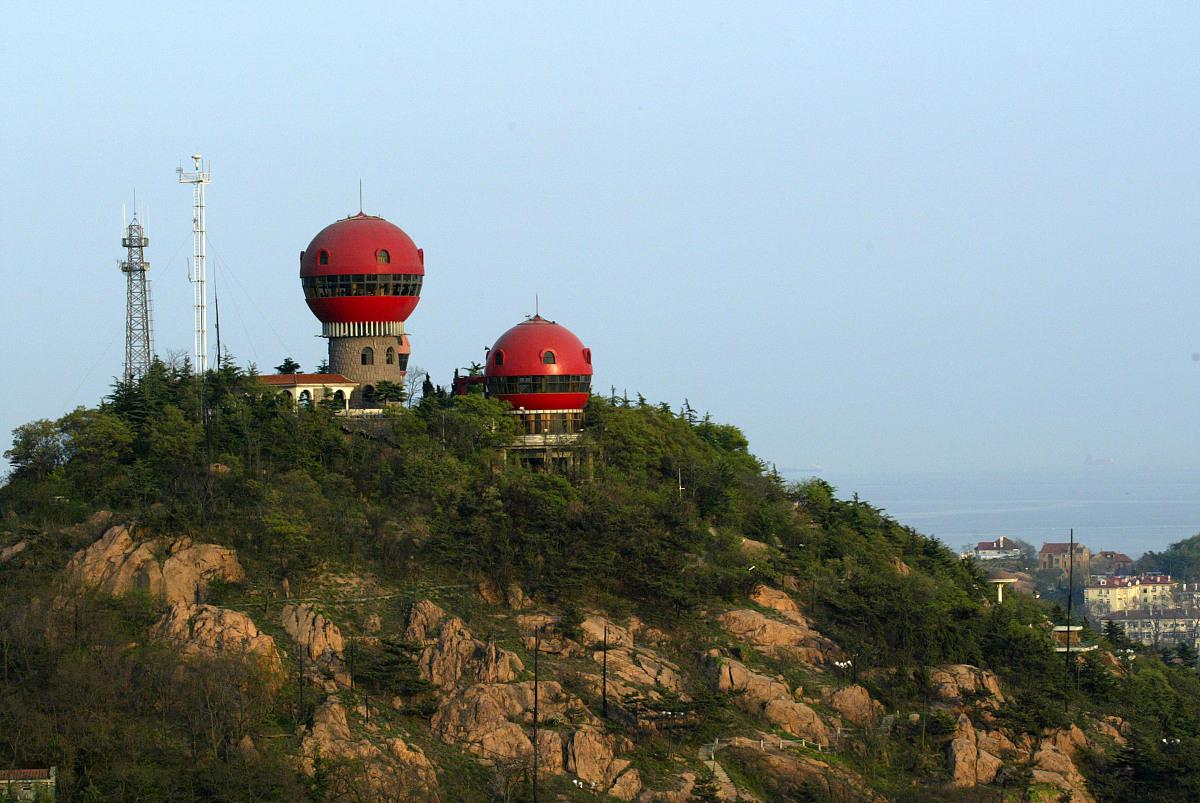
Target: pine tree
{"points": [[288, 366]]}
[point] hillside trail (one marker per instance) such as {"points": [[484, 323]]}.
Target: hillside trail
{"points": [[725, 786]]}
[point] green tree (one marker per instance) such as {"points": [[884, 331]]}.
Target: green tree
{"points": [[389, 392], [288, 366]]}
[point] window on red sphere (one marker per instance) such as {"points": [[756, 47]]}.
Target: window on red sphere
{"points": [[499, 358], [383, 257], [323, 259], [548, 358], [587, 356]]}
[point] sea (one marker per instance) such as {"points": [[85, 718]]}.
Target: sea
{"points": [[1110, 507]]}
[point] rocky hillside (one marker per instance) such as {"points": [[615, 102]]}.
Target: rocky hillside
{"points": [[279, 608]]}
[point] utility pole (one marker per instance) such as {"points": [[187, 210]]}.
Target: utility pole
{"points": [[1070, 599], [198, 178], [537, 649], [604, 677], [139, 348]]}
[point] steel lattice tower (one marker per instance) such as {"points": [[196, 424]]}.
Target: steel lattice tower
{"points": [[139, 347]]}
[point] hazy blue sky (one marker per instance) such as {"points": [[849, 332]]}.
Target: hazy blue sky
{"points": [[879, 237]]}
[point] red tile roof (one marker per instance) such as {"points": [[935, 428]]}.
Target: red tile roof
{"points": [[1108, 554], [289, 380], [1059, 549], [24, 775]]}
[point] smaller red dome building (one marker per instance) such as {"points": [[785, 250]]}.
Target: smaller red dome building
{"points": [[545, 372]]}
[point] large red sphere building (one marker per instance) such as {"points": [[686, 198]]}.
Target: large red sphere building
{"points": [[545, 372], [362, 278]]}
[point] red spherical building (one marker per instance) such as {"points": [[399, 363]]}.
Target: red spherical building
{"points": [[545, 372], [362, 278]]}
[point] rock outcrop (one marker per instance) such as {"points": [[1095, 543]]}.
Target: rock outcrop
{"points": [[492, 719], [790, 776], [855, 704], [768, 698], [794, 638], [177, 570], [457, 657], [1054, 764], [12, 550], [321, 642], [395, 771], [969, 762], [212, 631], [423, 621], [956, 683], [592, 630]]}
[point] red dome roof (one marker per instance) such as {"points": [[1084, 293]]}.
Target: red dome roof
{"points": [[370, 247], [540, 348]]}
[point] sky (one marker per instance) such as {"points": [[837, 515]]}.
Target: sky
{"points": [[878, 237]]}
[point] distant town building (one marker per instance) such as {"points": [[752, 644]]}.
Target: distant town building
{"points": [[1058, 556], [1109, 593], [36, 785], [1164, 627], [1187, 595], [1000, 549], [1107, 561]]}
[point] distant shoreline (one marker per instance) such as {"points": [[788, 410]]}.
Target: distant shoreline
{"points": [[1110, 507]]}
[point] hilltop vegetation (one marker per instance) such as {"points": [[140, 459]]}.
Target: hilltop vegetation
{"points": [[422, 504]]}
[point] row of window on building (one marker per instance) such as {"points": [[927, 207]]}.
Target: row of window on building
{"points": [[558, 423], [562, 383], [362, 284], [390, 357], [382, 257]]}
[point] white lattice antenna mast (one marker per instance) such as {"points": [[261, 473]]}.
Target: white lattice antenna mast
{"points": [[198, 178]]}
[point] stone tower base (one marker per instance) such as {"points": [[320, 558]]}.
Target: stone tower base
{"points": [[365, 360]]}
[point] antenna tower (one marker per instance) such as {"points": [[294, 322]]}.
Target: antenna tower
{"points": [[139, 347], [198, 178]]}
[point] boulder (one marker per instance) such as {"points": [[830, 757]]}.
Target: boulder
{"points": [[321, 642], [592, 630], [591, 757], [768, 698], [974, 755], [855, 704], [457, 657], [515, 599], [423, 620], [176, 570], [793, 639], [640, 667], [627, 786], [779, 602], [12, 550], [687, 782], [1052, 764], [399, 772], [480, 718], [789, 776], [211, 631], [954, 682]]}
